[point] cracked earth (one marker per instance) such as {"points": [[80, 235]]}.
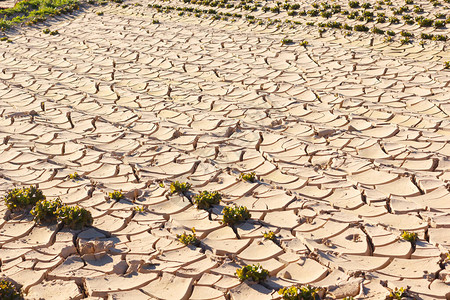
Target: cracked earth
{"points": [[348, 139]]}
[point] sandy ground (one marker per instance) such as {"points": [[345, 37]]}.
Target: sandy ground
{"points": [[348, 139]]}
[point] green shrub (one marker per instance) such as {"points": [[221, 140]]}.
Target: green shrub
{"points": [[299, 293], [188, 239], [390, 33], [426, 36], [423, 22], [394, 20], [397, 294], [206, 199], [233, 215], [405, 41], [8, 291], [440, 37], [46, 31], [74, 176], [250, 177], [116, 195], [269, 235], [439, 24], [286, 41], [45, 211], [74, 217], [21, 198], [304, 43], [377, 30], [409, 236], [353, 4], [362, 28], [255, 273], [179, 187], [447, 65], [406, 33]]}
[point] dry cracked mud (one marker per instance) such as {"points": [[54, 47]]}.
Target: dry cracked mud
{"points": [[348, 138]]}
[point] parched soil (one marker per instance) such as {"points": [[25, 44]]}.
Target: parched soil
{"points": [[348, 138]]}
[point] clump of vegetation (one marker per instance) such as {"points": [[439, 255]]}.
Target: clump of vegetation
{"points": [[249, 177], [287, 41], [361, 27], [139, 208], [8, 291], [409, 236], [179, 187], [236, 214], [74, 176], [206, 199], [188, 239], [155, 21], [99, 13], [116, 195], [46, 31], [299, 293], [353, 4], [397, 294], [405, 41], [304, 43], [45, 211], [447, 65], [255, 273], [269, 235], [74, 217], [22, 198], [34, 11]]}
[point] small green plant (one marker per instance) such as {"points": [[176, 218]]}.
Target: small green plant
{"points": [[116, 195], [46, 31], [54, 32], [361, 27], [353, 4], [447, 65], [74, 176], [255, 273], [179, 187], [377, 30], [249, 177], [440, 37], [349, 298], [45, 211], [423, 22], [99, 13], [235, 214], [299, 293], [206, 199], [426, 36], [286, 41], [155, 21], [8, 291], [390, 33], [409, 236], [139, 208], [22, 198], [304, 43], [74, 217], [188, 239], [406, 33], [405, 41], [269, 235], [439, 24], [397, 294]]}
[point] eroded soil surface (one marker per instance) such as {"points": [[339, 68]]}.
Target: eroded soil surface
{"points": [[348, 137]]}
